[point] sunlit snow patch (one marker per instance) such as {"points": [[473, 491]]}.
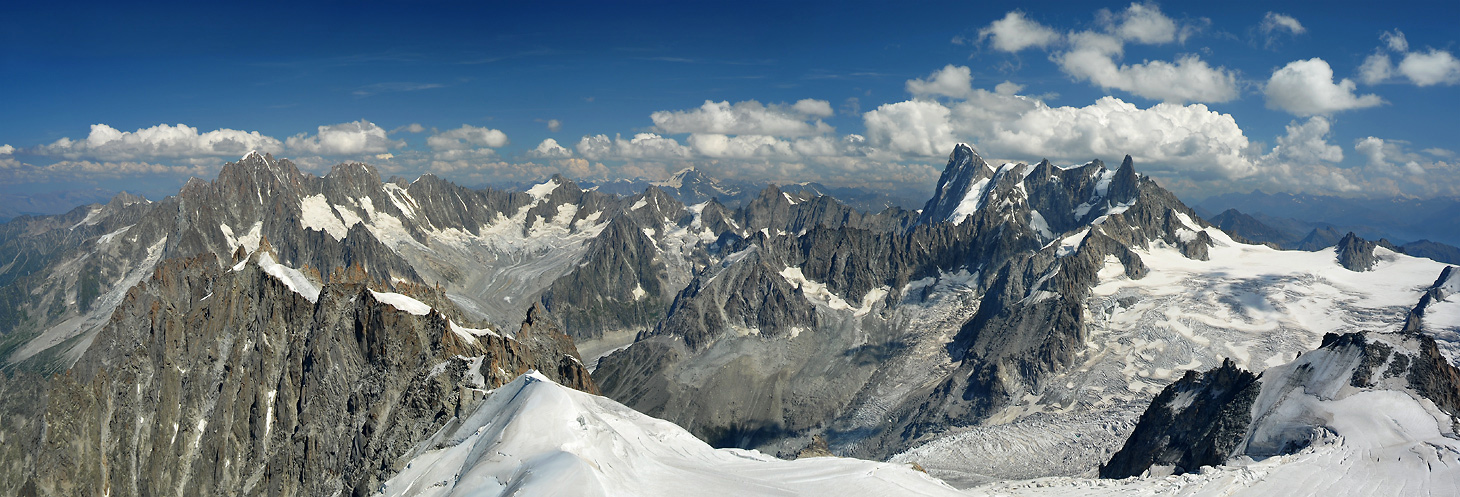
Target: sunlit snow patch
{"points": [[534, 437], [291, 277], [402, 302]]}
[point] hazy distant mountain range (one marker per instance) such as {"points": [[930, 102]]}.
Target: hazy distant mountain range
{"points": [[1290, 234], [1398, 219], [15, 204]]}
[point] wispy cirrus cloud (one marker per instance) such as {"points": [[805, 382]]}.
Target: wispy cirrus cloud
{"points": [[393, 87]]}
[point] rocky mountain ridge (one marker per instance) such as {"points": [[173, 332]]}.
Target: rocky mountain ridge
{"points": [[261, 379], [794, 332], [1026, 301]]}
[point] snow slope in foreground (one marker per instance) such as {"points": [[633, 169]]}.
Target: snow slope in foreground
{"points": [[1382, 439], [534, 437]]}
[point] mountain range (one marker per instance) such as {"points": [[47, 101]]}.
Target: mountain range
{"points": [[273, 332], [1287, 234], [1400, 219], [13, 205]]}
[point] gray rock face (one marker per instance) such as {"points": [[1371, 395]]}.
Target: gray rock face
{"points": [[1319, 239], [1356, 254], [622, 283], [227, 381], [805, 291], [50, 279], [67, 273], [1440, 252], [965, 169], [777, 210], [1209, 418], [1244, 227], [746, 293], [1197, 421]]}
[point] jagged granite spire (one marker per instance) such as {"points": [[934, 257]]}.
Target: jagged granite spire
{"points": [[964, 171]]}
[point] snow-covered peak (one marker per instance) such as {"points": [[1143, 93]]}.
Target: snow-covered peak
{"points": [[677, 179], [535, 437], [251, 154], [960, 188], [540, 191]]}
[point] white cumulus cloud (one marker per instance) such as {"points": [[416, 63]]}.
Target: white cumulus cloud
{"points": [[352, 138], [1430, 68], [1389, 157], [813, 107], [1016, 32], [1185, 140], [1189, 79], [7, 149], [550, 149], [1422, 68], [746, 118], [1395, 40], [1306, 88], [1307, 143], [467, 137], [1142, 23], [14, 171], [761, 146], [1189, 141], [641, 146], [161, 141], [1376, 69], [917, 127], [1275, 25], [950, 81]]}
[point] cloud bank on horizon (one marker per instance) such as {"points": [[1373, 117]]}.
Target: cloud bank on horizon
{"points": [[1155, 92]]}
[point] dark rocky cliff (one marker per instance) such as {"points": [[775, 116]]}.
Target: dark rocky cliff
{"points": [[1208, 418], [208, 379]]}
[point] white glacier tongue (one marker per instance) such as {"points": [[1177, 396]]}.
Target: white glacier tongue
{"points": [[534, 437]]}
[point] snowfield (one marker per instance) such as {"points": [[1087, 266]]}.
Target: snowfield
{"points": [[1251, 303], [534, 437], [1382, 441]]}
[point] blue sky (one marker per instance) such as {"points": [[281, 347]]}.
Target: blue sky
{"points": [[1345, 98]]}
